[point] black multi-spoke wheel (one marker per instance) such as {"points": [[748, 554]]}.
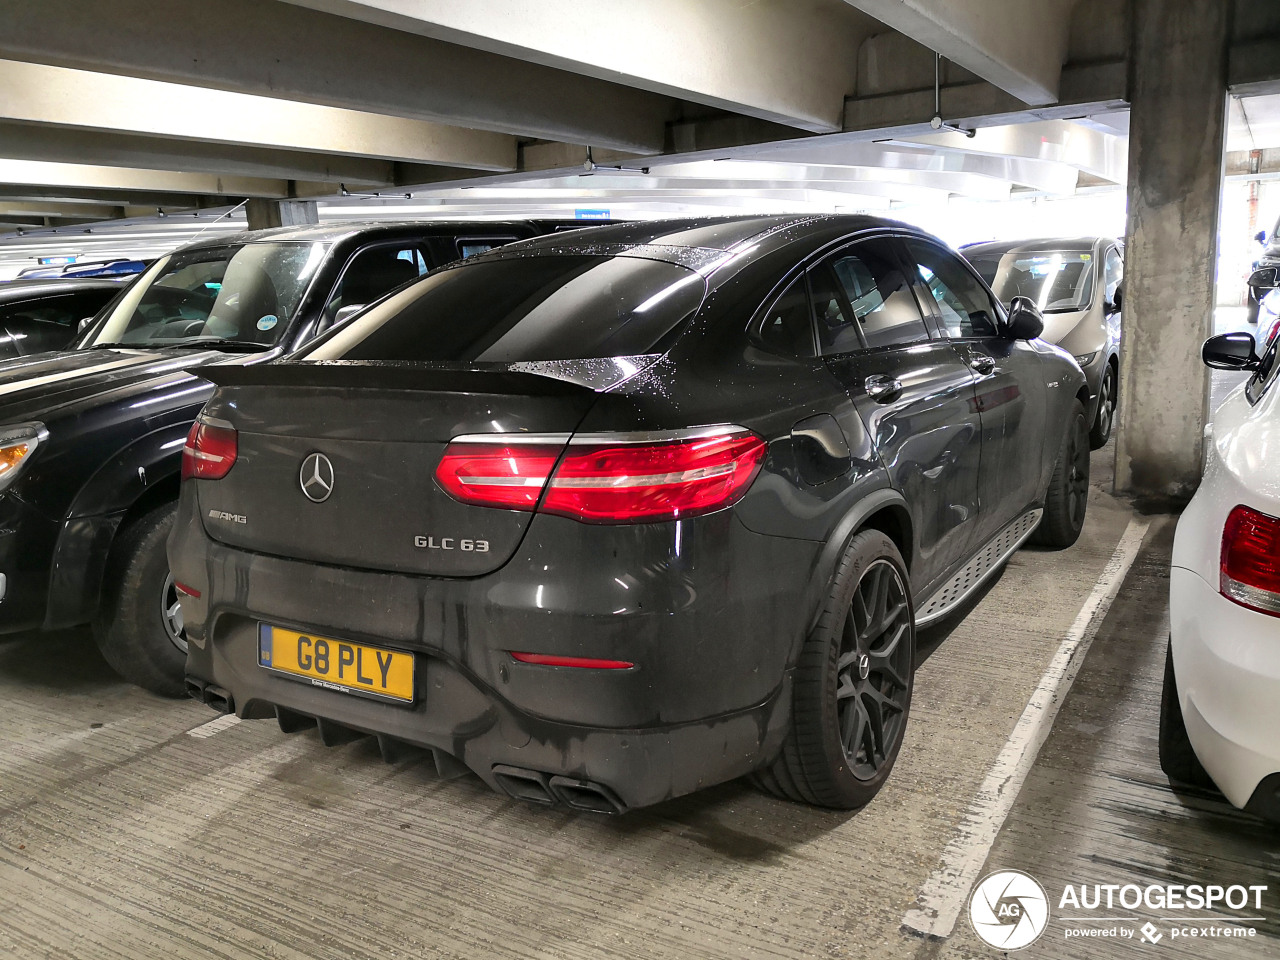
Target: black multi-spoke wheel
{"points": [[873, 687], [853, 682], [1067, 498], [1100, 432]]}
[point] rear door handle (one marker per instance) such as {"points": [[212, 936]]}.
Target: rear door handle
{"points": [[982, 363], [882, 389]]}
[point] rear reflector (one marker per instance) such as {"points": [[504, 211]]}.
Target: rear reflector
{"points": [[1250, 568], [186, 591], [587, 663], [210, 451], [614, 478]]}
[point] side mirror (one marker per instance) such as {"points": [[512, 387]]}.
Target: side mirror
{"points": [[1025, 320], [1117, 299], [1265, 278], [347, 312], [1261, 237], [83, 323], [1230, 351]]}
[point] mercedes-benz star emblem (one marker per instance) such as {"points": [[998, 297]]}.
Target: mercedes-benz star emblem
{"points": [[316, 477]]}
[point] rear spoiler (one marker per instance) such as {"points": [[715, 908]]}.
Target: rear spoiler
{"points": [[534, 377]]}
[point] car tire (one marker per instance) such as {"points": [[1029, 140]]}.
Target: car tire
{"points": [[1178, 758], [1105, 418], [131, 629], [1067, 498], [853, 681]]}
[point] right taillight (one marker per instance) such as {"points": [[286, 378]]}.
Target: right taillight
{"points": [[210, 451], [606, 478], [1250, 567]]}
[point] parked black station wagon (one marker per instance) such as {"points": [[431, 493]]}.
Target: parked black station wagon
{"points": [[612, 518], [91, 437]]}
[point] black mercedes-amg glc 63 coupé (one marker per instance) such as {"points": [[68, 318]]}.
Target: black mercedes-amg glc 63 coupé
{"points": [[612, 517]]}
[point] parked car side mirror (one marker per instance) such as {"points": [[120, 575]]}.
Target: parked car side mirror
{"points": [[1261, 237], [1025, 320], [1117, 299], [83, 323], [1265, 278], [1231, 351]]}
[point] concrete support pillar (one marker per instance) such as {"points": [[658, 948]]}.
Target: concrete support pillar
{"points": [[263, 214], [1177, 128]]}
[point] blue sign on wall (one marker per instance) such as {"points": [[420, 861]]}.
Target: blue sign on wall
{"points": [[581, 214]]}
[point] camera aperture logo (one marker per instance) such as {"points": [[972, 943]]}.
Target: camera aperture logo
{"points": [[1009, 910]]}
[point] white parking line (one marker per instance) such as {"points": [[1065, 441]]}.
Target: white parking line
{"points": [[942, 897], [206, 730]]}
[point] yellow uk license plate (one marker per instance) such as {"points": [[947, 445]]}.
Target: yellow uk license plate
{"points": [[337, 664]]}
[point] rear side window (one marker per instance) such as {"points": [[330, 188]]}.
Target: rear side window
{"points": [[875, 297], [787, 326], [964, 306], [567, 307]]}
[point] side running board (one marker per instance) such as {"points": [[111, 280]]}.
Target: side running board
{"points": [[973, 574]]}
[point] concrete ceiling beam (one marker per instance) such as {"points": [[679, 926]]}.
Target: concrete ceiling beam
{"points": [[29, 141], [1017, 46], [53, 208], [38, 93], [791, 63], [36, 173], [279, 50]]}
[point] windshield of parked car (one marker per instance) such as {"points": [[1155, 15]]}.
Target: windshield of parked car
{"points": [[1058, 282], [561, 307], [239, 294]]}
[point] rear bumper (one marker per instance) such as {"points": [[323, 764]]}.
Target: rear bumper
{"points": [[712, 618], [1227, 660]]}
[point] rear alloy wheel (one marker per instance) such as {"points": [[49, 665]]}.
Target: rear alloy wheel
{"points": [[1178, 758], [1100, 432], [1067, 498], [853, 684], [139, 625]]}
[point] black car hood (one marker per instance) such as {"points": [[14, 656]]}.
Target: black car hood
{"points": [[33, 388]]}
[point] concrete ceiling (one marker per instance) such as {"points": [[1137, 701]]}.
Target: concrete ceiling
{"points": [[796, 104]]}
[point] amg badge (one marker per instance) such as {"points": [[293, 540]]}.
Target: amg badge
{"points": [[230, 517], [451, 543]]}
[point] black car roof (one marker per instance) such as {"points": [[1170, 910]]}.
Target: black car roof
{"points": [[11, 290], [341, 231], [1044, 245], [695, 242]]}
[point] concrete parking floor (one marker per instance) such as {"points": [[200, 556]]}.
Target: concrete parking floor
{"points": [[134, 827]]}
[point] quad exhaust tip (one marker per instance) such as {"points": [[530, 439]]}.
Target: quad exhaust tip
{"points": [[544, 789], [210, 695]]}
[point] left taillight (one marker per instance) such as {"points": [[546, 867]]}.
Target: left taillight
{"points": [[1250, 561], [210, 451]]}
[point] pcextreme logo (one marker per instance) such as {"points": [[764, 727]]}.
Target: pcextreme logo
{"points": [[1009, 910]]}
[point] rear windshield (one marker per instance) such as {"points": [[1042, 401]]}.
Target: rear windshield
{"points": [[567, 307]]}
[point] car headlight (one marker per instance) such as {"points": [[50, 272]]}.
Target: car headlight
{"points": [[1086, 358], [17, 443]]}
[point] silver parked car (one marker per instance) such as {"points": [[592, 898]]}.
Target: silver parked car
{"points": [[1077, 284]]}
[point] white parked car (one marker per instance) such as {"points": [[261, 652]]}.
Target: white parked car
{"points": [[1220, 711]]}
